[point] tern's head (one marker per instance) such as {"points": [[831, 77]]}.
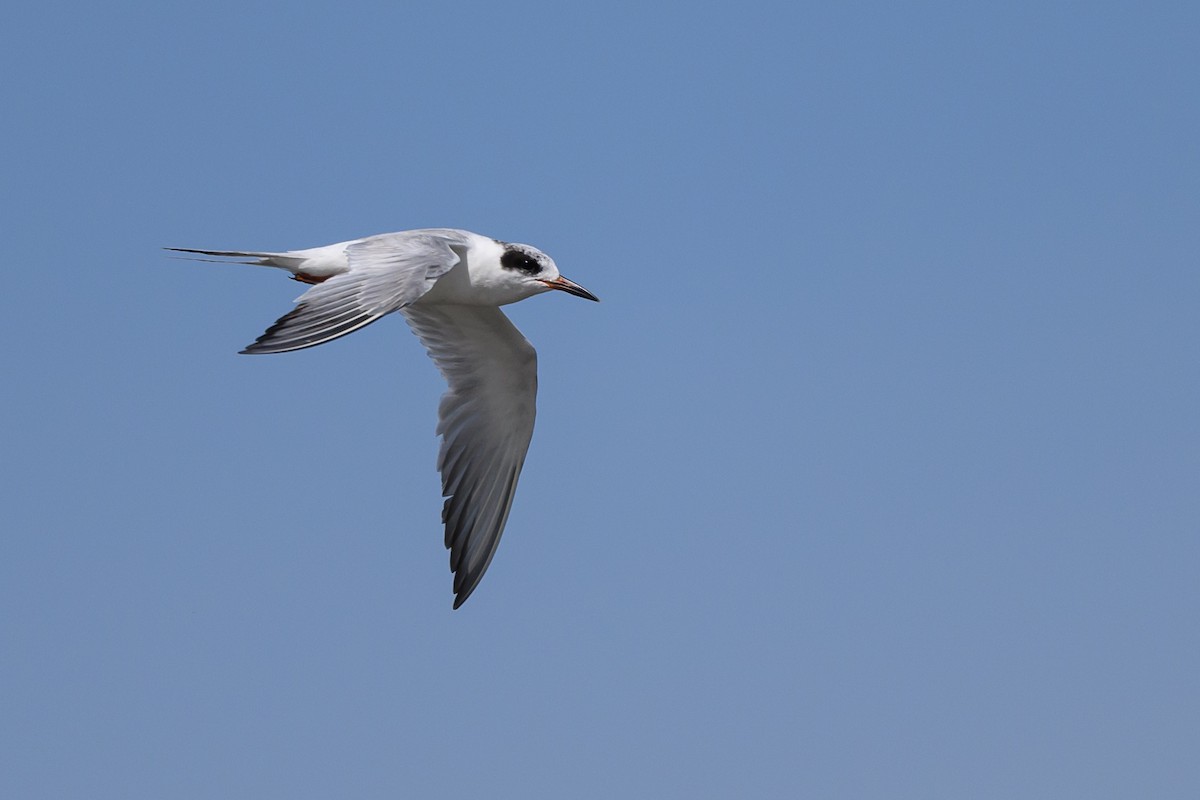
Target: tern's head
{"points": [[537, 271]]}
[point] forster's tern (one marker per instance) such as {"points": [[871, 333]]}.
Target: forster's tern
{"points": [[448, 284]]}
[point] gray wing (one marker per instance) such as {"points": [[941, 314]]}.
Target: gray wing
{"points": [[385, 273], [485, 421]]}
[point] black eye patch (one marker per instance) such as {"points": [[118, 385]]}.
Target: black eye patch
{"points": [[522, 262]]}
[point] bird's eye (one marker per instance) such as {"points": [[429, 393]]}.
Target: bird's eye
{"points": [[522, 262]]}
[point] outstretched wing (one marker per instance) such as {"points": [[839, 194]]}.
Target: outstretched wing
{"points": [[385, 273], [485, 421]]}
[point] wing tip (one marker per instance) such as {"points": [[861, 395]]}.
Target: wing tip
{"points": [[296, 331], [462, 594]]}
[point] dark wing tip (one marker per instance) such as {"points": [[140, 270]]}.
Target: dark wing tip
{"points": [[467, 589], [301, 328], [268, 342], [466, 583]]}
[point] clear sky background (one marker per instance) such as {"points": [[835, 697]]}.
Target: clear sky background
{"points": [[875, 473]]}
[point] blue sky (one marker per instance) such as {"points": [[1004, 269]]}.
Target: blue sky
{"points": [[873, 475]]}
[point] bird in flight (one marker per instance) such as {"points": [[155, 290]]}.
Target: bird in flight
{"points": [[449, 285]]}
